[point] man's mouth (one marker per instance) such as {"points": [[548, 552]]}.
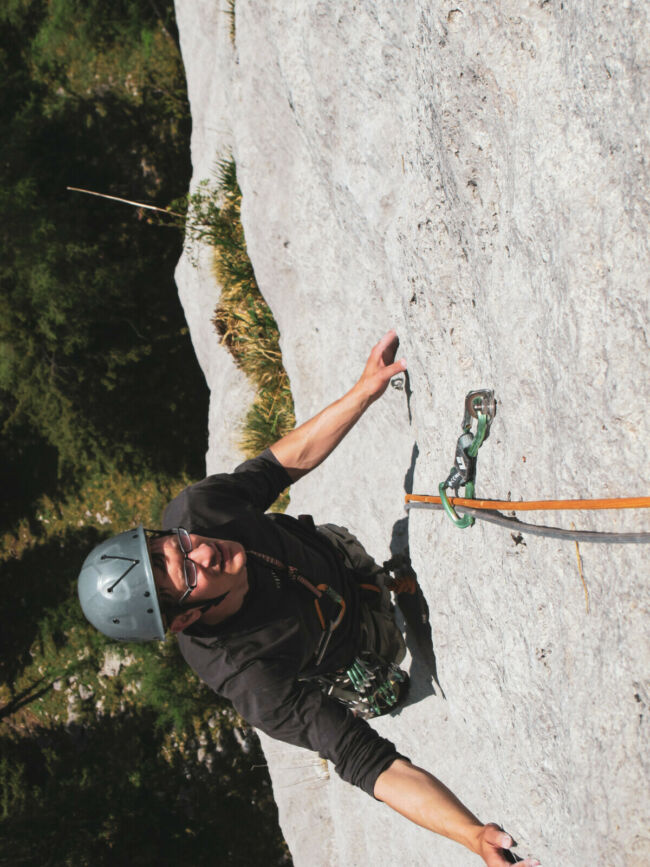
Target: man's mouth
{"points": [[220, 557]]}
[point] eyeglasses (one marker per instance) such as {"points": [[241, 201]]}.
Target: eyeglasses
{"points": [[189, 566]]}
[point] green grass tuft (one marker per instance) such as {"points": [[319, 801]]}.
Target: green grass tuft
{"points": [[242, 318], [230, 11]]}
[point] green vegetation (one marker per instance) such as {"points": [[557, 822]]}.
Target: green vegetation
{"points": [[243, 319], [230, 11], [108, 753], [118, 791], [122, 739], [90, 304]]}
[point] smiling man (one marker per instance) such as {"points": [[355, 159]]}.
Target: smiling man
{"points": [[186, 563], [292, 623]]}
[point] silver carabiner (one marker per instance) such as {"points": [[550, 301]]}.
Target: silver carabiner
{"points": [[480, 401]]}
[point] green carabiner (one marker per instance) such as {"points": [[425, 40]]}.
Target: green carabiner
{"points": [[466, 520], [481, 406], [477, 442]]}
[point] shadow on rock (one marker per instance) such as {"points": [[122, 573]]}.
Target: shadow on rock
{"points": [[412, 615]]}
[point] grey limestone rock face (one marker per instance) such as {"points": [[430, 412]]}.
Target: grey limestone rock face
{"points": [[203, 30], [475, 176]]}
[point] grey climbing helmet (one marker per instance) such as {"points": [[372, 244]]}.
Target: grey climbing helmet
{"points": [[117, 591]]}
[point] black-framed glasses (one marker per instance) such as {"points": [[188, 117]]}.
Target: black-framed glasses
{"points": [[189, 566]]}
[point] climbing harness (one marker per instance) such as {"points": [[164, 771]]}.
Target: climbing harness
{"points": [[321, 591], [370, 686], [481, 405]]}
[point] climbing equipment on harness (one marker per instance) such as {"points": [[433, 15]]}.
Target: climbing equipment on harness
{"points": [[377, 684], [482, 406], [370, 687], [320, 591]]}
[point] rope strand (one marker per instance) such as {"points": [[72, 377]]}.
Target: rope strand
{"points": [[516, 525], [537, 505]]}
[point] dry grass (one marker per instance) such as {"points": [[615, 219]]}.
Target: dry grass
{"points": [[242, 318]]}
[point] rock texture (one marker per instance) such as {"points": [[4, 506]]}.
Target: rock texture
{"points": [[475, 176]]}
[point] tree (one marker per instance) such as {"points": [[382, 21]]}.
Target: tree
{"points": [[95, 360]]}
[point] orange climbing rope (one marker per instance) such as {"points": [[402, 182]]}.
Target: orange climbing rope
{"points": [[536, 505]]}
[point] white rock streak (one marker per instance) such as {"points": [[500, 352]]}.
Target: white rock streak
{"points": [[476, 176]]}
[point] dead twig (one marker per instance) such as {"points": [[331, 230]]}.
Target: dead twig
{"points": [[127, 202], [582, 577]]}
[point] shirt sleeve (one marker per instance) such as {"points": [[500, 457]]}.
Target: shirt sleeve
{"points": [[300, 714], [256, 483], [261, 479]]}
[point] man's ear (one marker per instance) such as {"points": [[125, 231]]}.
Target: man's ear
{"points": [[185, 619]]}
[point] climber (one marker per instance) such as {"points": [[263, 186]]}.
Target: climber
{"points": [[292, 623]]}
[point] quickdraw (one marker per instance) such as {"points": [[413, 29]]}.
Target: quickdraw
{"points": [[482, 406], [377, 686], [370, 687]]}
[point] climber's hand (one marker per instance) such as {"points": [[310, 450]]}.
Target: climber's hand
{"points": [[307, 446], [494, 847], [425, 800], [380, 368]]}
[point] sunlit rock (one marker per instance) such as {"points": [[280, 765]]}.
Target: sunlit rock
{"points": [[477, 178]]}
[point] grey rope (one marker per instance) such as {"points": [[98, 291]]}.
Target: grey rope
{"points": [[514, 524]]}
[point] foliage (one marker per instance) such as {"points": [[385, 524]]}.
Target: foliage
{"points": [[116, 792], [125, 737], [230, 12], [113, 753], [89, 304], [39, 564], [243, 318], [86, 49]]}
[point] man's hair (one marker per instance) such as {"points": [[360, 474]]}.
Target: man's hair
{"points": [[169, 607]]}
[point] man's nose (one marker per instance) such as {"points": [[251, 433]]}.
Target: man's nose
{"points": [[202, 554]]}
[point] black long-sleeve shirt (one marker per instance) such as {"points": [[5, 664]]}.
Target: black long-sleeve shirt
{"points": [[257, 657]]}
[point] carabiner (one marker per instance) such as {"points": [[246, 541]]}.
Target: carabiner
{"points": [[466, 520], [482, 406]]}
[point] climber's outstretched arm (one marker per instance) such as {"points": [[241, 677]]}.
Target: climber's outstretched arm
{"points": [[308, 445], [426, 801]]}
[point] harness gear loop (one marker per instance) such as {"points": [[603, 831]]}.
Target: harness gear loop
{"points": [[482, 406]]}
